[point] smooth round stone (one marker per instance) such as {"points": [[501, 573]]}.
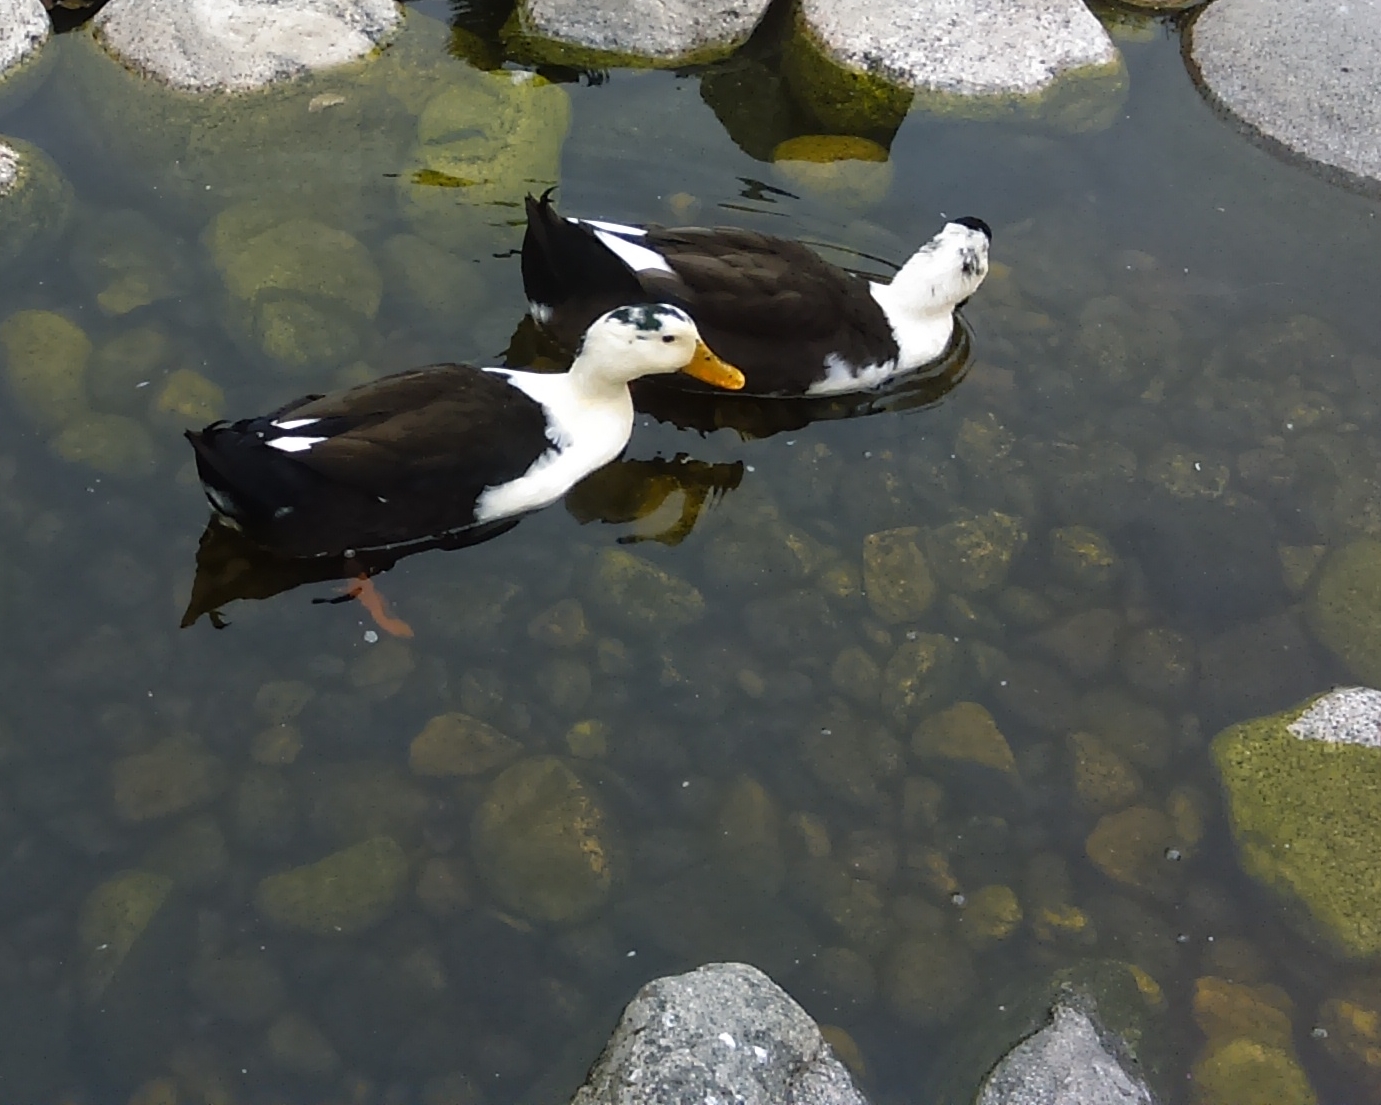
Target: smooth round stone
{"points": [[458, 744], [346, 892], [542, 842]]}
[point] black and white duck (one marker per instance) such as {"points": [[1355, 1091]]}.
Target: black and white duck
{"points": [[437, 450], [791, 321]]}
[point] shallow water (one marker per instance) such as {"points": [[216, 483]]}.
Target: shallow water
{"points": [[1137, 365]]}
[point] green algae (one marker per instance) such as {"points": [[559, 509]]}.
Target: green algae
{"points": [[1344, 609], [1306, 815], [35, 209], [840, 99]]}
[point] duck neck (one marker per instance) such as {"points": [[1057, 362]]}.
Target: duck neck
{"points": [[596, 388], [917, 292]]}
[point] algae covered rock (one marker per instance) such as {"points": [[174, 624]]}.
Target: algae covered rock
{"points": [[483, 142], [1301, 792], [543, 843], [974, 554], [301, 291], [964, 732], [1136, 847], [110, 443], [171, 777], [457, 744], [1345, 607], [641, 596], [1247, 1072], [928, 979], [346, 892], [112, 918], [127, 262], [841, 99], [35, 201], [855, 172], [895, 576], [46, 357]]}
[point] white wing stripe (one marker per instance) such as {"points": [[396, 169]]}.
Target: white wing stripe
{"points": [[294, 444], [638, 258]]}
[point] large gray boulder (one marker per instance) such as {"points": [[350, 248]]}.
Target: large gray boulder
{"points": [[662, 32], [236, 45], [962, 47], [1302, 75], [725, 1032], [1065, 1063], [24, 27]]}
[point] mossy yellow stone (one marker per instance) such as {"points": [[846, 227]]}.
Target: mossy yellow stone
{"points": [[458, 744], [991, 914], [1344, 608], [1353, 1023], [642, 596], [346, 892], [1131, 847], [921, 672], [1244, 1072], [1306, 816], [110, 443], [1229, 1010], [1082, 556], [302, 257], [543, 843], [112, 918], [1103, 780], [483, 142], [974, 554], [188, 398], [37, 203], [45, 361], [588, 739], [965, 731], [840, 99], [848, 170], [896, 578]]}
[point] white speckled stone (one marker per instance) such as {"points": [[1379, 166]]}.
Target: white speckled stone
{"points": [[1349, 715], [24, 27], [965, 47], [9, 167], [662, 30], [1065, 1063], [723, 1033], [1304, 75], [237, 45]]}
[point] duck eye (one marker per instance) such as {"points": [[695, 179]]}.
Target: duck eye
{"points": [[668, 337]]}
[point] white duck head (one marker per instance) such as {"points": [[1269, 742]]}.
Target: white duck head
{"points": [[920, 300], [648, 339]]}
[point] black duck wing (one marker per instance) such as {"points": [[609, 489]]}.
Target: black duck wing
{"points": [[570, 272], [396, 460], [772, 306]]}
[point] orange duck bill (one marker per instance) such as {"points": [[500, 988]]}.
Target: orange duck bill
{"points": [[706, 366]]}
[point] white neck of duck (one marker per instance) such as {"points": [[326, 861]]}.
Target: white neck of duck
{"points": [[919, 302]]}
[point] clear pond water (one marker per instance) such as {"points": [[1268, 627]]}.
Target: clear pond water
{"points": [[1165, 414]]}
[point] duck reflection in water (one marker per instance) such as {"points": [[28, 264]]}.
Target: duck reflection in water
{"points": [[661, 498]]}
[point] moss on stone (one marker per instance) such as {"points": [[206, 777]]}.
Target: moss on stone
{"points": [[346, 892], [843, 100], [1344, 608], [1306, 815], [35, 206]]}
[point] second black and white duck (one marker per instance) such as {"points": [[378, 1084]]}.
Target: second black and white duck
{"points": [[791, 321], [421, 454]]}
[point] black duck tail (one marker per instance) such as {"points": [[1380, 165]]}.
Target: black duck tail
{"points": [[239, 476], [564, 262]]}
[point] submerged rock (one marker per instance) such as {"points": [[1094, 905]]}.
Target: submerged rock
{"points": [[239, 45], [457, 744], [110, 443], [664, 33], [112, 918], [299, 290], [1345, 607], [1300, 789], [724, 1032], [896, 578], [169, 778], [483, 141], [974, 554], [543, 843], [346, 892], [964, 732], [35, 198], [1065, 1063], [928, 979], [127, 262], [45, 363], [853, 172], [641, 596]]}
